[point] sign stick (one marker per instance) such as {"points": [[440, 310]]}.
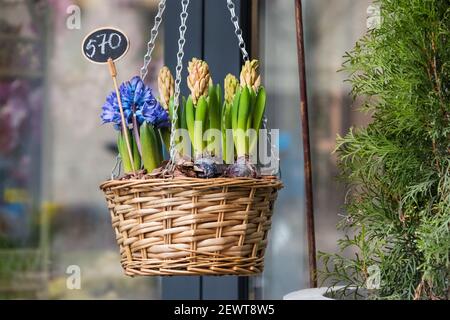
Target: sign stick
{"points": [[113, 72]]}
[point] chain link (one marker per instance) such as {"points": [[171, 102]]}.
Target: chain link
{"points": [[153, 35], [237, 29], [176, 99]]}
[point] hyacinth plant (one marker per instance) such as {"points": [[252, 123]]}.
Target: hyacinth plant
{"points": [[144, 115], [246, 110], [216, 130], [202, 114]]}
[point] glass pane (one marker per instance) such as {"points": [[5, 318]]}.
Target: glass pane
{"points": [[54, 152], [331, 28]]}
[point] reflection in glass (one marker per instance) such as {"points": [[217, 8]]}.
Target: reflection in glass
{"points": [[54, 152], [331, 28]]}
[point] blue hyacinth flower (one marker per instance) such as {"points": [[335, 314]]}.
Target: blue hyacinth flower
{"points": [[135, 93], [154, 114], [138, 98], [111, 112]]}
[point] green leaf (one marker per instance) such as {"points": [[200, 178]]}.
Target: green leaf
{"points": [[190, 117], [200, 125], [159, 147], [258, 114], [244, 109], [226, 124], [123, 151], [252, 107], [165, 136], [219, 97], [136, 155], [214, 110], [260, 107], [243, 115], [151, 152], [235, 109]]}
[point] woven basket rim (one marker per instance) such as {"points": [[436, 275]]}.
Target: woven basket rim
{"points": [[195, 183]]}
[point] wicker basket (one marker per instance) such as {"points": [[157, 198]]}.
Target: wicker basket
{"points": [[188, 226]]}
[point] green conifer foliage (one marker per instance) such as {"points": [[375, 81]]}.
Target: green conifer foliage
{"points": [[398, 167]]}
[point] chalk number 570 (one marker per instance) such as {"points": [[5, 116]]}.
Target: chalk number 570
{"points": [[113, 41]]}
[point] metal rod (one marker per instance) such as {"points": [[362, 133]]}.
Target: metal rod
{"points": [[306, 145]]}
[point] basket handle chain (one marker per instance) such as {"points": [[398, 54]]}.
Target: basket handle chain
{"points": [[237, 30], [176, 99], [153, 36], [245, 57]]}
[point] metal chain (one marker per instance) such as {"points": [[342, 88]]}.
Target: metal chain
{"points": [[153, 35], [237, 29], [176, 99]]}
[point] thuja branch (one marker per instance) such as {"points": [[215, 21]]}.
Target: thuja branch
{"points": [[398, 168]]}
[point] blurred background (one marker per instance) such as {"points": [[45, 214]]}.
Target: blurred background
{"points": [[54, 152]]}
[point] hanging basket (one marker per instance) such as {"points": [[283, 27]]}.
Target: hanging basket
{"points": [[190, 226]]}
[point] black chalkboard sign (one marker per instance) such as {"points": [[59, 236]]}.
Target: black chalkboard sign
{"points": [[104, 43]]}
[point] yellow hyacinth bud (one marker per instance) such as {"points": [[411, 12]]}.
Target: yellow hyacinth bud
{"points": [[198, 78], [165, 86], [249, 75], [231, 83]]}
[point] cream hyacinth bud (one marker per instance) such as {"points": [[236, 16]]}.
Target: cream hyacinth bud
{"points": [[198, 78], [231, 83], [249, 75], [165, 86]]}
